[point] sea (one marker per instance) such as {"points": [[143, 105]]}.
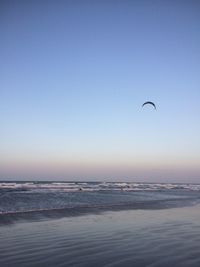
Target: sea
{"points": [[75, 198], [101, 224]]}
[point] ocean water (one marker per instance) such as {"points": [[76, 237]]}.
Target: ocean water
{"points": [[99, 224], [74, 198]]}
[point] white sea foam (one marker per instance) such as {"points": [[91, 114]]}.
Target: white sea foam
{"points": [[29, 196], [87, 186]]}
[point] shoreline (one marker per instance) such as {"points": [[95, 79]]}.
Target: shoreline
{"points": [[151, 238], [58, 213]]}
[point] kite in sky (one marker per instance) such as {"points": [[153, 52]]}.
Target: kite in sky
{"points": [[149, 103]]}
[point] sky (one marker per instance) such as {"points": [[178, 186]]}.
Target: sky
{"points": [[73, 78]]}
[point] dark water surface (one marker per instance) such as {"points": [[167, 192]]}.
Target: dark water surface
{"points": [[99, 224], [78, 197]]}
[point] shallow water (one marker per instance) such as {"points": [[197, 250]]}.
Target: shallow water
{"points": [[153, 238]]}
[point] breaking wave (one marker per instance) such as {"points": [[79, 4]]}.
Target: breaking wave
{"points": [[75, 198], [95, 186]]}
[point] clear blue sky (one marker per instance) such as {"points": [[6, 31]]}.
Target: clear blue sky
{"points": [[73, 77]]}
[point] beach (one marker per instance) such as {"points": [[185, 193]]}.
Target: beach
{"points": [[154, 237], [99, 133]]}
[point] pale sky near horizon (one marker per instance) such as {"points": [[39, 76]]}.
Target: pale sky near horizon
{"points": [[73, 77]]}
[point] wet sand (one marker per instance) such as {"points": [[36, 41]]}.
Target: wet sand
{"points": [[166, 237]]}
